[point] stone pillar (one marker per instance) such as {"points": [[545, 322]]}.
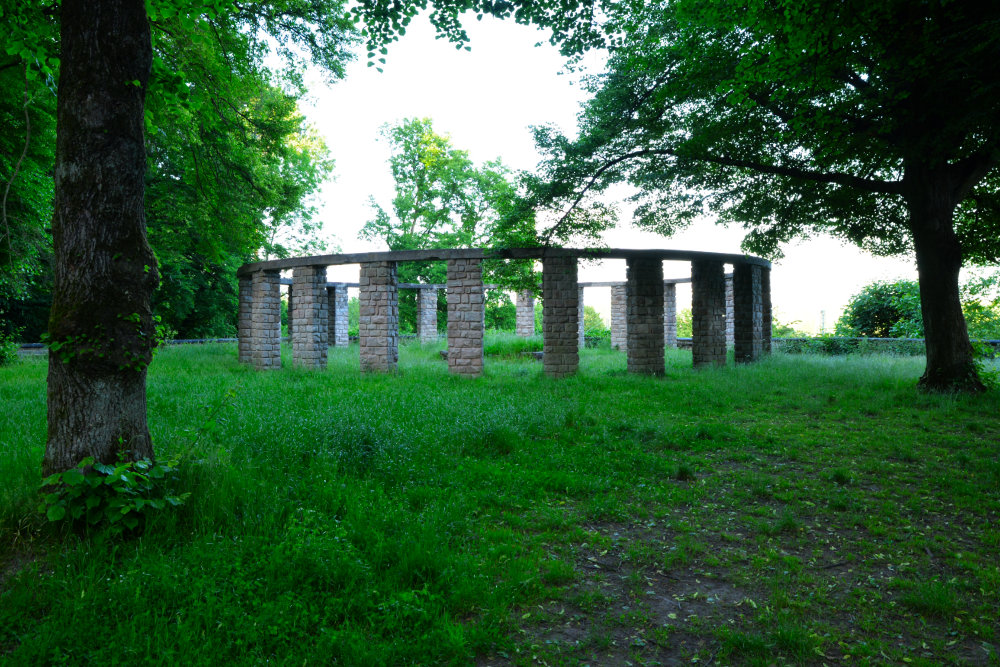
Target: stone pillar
{"points": [[579, 316], [378, 329], [265, 337], [766, 316], [748, 308], [619, 322], [311, 312], [427, 315], [670, 315], [525, 326], [730, 313], [466, 316], [244, 320], [644, 310], [291, 307], [336, 297], [708, 313], [559, 316]]}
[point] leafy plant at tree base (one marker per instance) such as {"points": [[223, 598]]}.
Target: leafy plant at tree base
{"points": [[118, 498]]}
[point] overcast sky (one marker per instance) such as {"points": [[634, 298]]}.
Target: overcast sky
{"points": [[486, 99]]}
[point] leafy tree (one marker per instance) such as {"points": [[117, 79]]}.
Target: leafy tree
{"points": [[876, 122], [593, 323], [101, 326], [883, 310], [442, 200]]}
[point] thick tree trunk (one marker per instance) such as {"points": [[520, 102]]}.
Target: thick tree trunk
{"points": [[950, 365], [100, 327]]}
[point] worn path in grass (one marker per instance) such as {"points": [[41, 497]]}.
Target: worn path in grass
{"points": [[807, 510]]}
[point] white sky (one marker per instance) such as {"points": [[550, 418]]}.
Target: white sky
{"points": [[486, 99]]}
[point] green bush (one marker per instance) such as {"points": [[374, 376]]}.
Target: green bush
{"points": [[118, 498], [884, 310], [9, 346]]}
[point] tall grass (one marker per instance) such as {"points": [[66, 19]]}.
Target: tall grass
{"points": [[419, 518]]}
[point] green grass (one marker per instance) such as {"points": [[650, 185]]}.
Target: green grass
{"points": [[804, 510]]}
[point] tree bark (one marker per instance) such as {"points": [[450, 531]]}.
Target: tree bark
{"points": [[101, 326], [950, 361]]}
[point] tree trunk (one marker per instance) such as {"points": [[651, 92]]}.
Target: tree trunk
{"points": [[100, 327], [950, 363]]}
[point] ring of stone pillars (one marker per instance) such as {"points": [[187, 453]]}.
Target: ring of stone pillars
{"points": [[647, 325]]}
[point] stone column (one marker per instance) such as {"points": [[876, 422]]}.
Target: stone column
{"points": [[644, 311], [559, 316], [378, 329], [579, 316], [708, 313], [427, 315], [525, 326], [311, 313], [619, 322], [466, 316], [670, 315], [730, 313], [265, 337], [291, 308], [336, 296], [766, 316], [748, 308], [244, 320]]}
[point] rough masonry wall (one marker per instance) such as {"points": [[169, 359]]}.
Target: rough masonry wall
{"points": [[265, 337], [619, 321], [708, 313], [582, 341], [378, 328], [466, 316], [291, 309], [765, 291], [669, 315], [525, 324], [336, 297], [730, 316], [748, 313], [560, 315], [644, 310], [427, 315], [311, 313], [244, 321]]}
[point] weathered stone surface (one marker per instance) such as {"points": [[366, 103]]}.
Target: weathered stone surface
{"points": [[337, 308], [708, 313], [265, 315], [749, 313], [644, 311], [525, 323], [766, 315], [560, 314], [730, 316], [466, 316], [619, 319], [244, 321], [582, 342], [670, 315], [310, 312], [427, 315], [378, 328]]}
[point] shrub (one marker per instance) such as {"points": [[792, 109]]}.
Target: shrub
{"points": [[9, 346]]}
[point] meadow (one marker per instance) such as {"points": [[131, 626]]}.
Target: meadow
{"points": [[803, 510]]}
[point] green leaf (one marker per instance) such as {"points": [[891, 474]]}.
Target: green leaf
{"points": [[55, 513], [73, 477]]}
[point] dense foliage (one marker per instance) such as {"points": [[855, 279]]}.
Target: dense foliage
{"points": [[892, 310], [232, 163]]}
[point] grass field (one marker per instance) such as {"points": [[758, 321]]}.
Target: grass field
{"points": [[804, 510]]}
